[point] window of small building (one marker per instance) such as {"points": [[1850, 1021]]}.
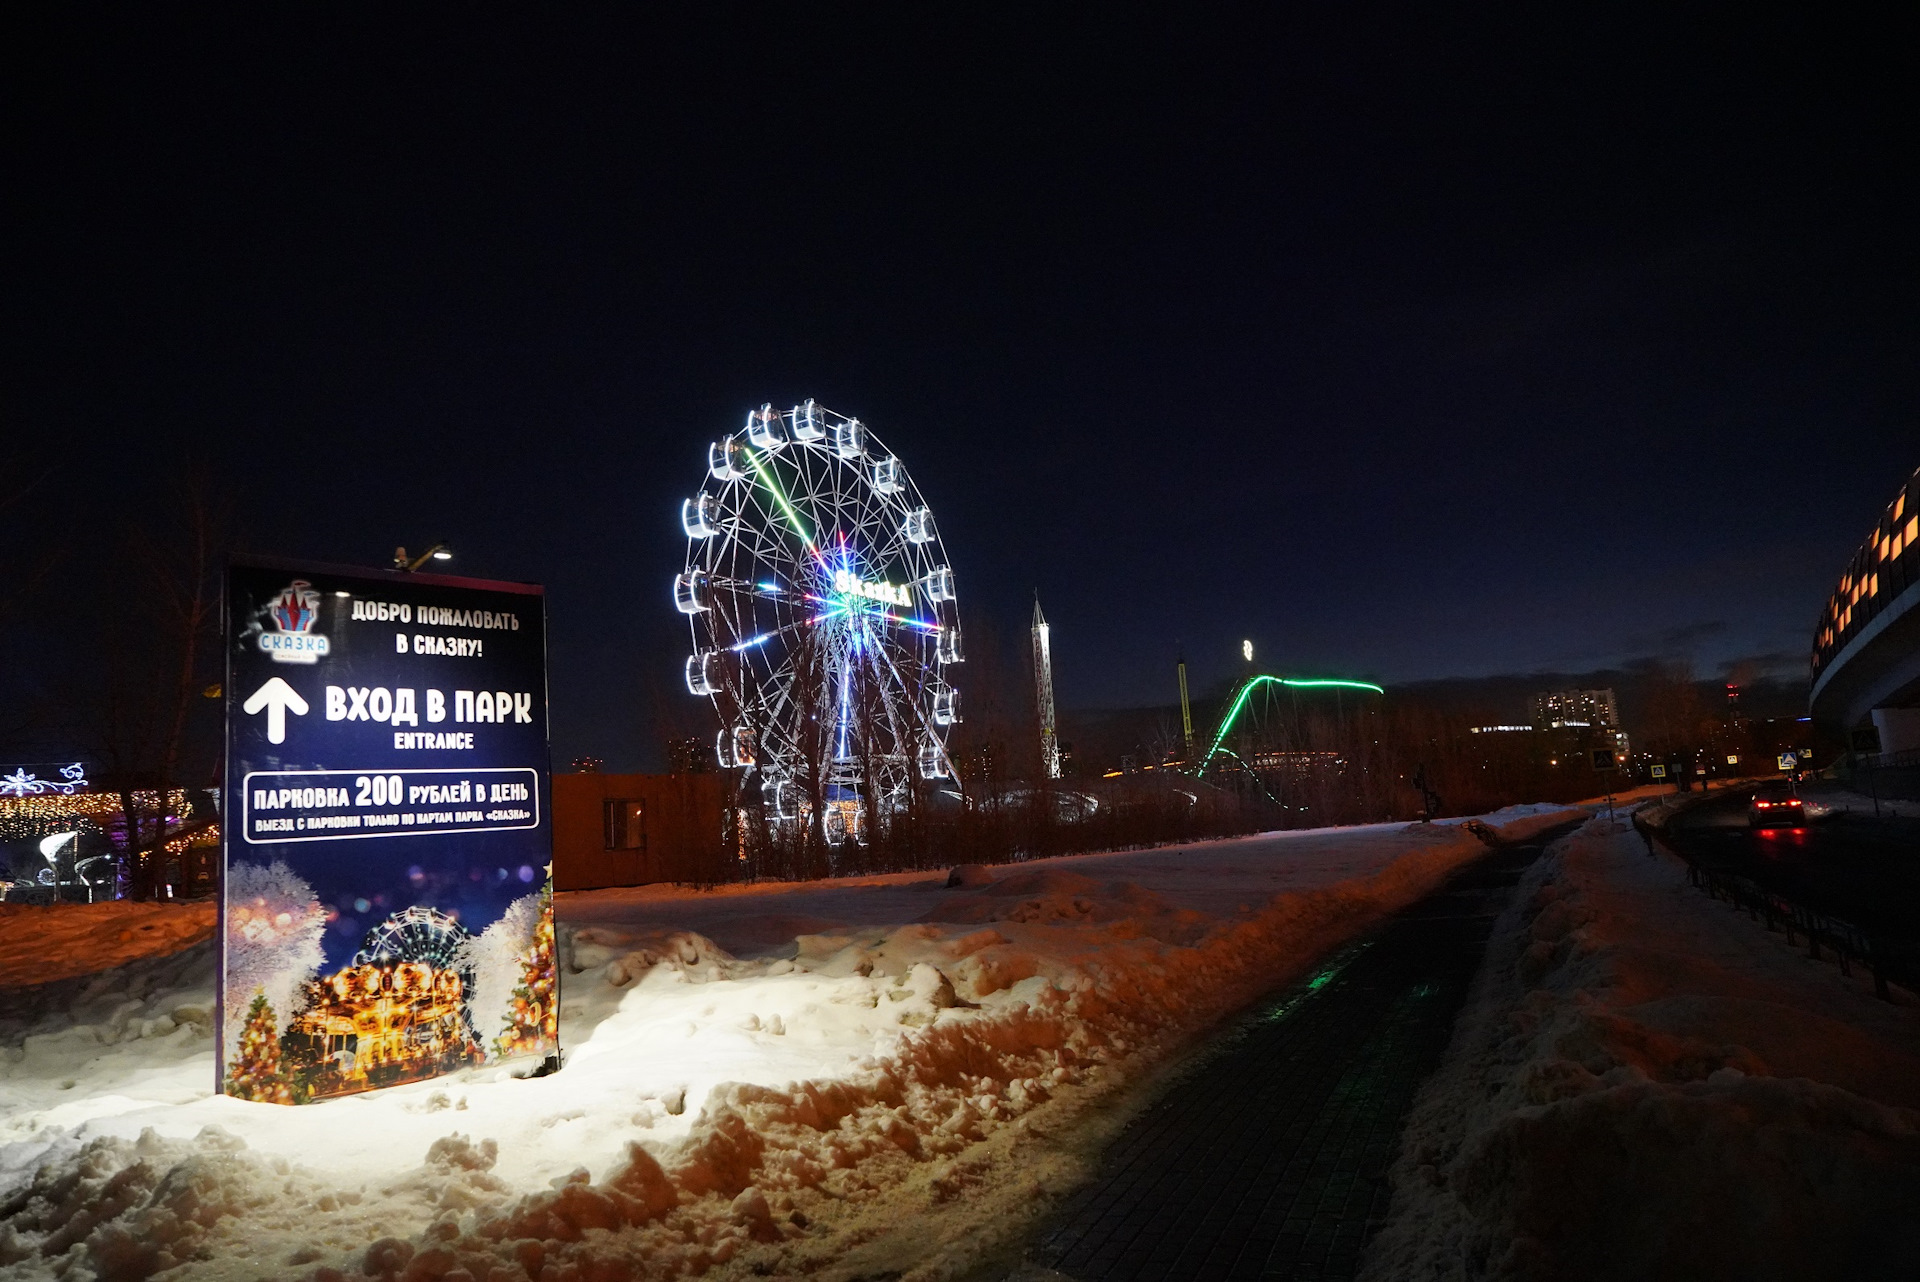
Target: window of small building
{"points": [[626, 824]]}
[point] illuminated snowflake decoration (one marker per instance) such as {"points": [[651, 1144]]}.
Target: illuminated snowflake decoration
{"points": [[24, 783]]}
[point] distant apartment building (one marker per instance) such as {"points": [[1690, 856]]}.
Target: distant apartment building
{"points": [[1553, 709], [1580, 710]]}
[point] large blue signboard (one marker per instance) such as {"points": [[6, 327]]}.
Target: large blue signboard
{"points": [[386, 913]]}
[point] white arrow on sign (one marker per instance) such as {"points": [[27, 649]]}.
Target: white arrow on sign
{"points": [[276, 696]]}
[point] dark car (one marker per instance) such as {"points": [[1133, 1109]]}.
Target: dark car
{"points": [[1775, 805]]}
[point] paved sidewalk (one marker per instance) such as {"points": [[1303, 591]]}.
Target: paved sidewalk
{"points": [[1270, 1158]]}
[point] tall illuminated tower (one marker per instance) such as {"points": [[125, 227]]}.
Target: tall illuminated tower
{"points": [[1186, 710], [1043, 692]]}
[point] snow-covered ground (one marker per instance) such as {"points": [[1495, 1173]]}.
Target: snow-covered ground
{"points": [[1851, 801], [772, 1079], [1647, 1084]]}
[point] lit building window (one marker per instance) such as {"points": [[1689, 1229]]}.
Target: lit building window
{"points": [[626, 824]]}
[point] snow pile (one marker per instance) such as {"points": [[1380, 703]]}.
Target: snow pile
{"points": [[1648, 1084], [769, 1079], [45, 944]]}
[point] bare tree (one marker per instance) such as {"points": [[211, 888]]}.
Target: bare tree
{"points": [[1677, 721], [31, 569], [23, 579], [157, 623]]}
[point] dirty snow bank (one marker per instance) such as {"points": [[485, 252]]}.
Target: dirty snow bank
{"points": [[41, 944], [1649, 1084], [770, 1109]]}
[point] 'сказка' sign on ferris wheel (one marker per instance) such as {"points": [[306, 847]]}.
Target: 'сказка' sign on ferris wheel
{"points": [[823, 616]]}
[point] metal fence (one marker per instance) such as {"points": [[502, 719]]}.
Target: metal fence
{"points": [[1825, 936], [1890, 760]]}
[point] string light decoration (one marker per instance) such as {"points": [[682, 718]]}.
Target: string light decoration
{"points": [[28, 817], [201, 839], [42, 816]]}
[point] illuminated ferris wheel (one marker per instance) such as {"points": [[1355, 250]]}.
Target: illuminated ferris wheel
{"points": [[823, 615], [414, 934]]}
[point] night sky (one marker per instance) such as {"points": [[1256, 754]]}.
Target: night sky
{"points": [[1407, 343]]}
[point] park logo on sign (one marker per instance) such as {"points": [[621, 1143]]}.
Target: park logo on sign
{"points": [[849, 584], [294, 614]]}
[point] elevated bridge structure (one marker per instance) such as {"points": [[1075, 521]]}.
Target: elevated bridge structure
{"points": [[1866, 653]]}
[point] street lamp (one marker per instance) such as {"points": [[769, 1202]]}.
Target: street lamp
{"points": [[441, 551]]}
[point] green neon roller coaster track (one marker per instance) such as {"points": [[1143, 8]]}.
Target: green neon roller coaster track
{"points": [[1238, 703]]}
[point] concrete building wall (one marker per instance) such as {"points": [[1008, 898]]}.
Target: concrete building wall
{"points": [[1899, 729]]}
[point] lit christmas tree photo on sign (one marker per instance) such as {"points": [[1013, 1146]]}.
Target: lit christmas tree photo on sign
{"points": [[533, 1012], [255, 1073], [387, 910]]}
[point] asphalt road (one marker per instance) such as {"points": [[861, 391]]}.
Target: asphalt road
{"points": [[1851, 865]]}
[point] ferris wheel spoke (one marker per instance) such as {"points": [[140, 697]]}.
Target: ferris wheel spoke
{"points": [[890, 706], [765, 637], [759, 527], [767, 591], [759, 515], [894, 670]]}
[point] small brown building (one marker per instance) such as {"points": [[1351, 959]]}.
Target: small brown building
{"points": [[630, 830]]}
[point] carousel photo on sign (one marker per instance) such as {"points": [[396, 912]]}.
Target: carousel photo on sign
{"points": [[387, 913]]}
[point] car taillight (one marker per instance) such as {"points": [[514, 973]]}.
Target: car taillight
{"points": [[1763, 804]]}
